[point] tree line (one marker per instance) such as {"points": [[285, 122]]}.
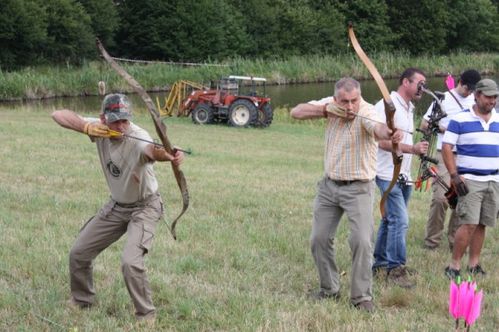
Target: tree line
{"points": [[38, 32]]}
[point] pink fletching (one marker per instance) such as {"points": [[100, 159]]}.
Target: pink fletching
{"points": [[475, 308], [449, 81], [454, 300], [466, 294]]}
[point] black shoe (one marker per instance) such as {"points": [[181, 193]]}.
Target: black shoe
{"points": [[320, 295], [477, 269], [452, 273]]}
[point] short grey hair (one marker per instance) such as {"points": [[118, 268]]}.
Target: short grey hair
{"points": [[346, 83]]}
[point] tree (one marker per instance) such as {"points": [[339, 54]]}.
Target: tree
{"points": [[23, 31], [475, 26], [370, 19], [419, 26], [70, 36], [103, 19], [182, 30]]}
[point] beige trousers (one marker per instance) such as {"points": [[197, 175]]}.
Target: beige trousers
{"points": [[139, 222], [332, 200], [438, 209]]}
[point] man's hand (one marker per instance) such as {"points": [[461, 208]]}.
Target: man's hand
{"points": [[178, 157], [459, 185], [397, 136], [420, 148], [96, 129], [336, 110]]}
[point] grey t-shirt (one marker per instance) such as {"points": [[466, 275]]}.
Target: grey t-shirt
{"points": [[129, 172]]}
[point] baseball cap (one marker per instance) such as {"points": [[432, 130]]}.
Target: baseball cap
{"points": [[470, 78], [116, 106], [488, 87]]}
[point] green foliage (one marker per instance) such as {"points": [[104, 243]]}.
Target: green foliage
{"points": [[370, 19], [54, 31], [475, 26], [23, 31], [420, 26], [70, 36], [104, 19]]}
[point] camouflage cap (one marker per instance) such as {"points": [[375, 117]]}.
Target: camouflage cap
{"points": [[116, 106], [488, 87]]}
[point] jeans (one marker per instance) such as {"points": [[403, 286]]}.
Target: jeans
{"points": [[390, 248]]}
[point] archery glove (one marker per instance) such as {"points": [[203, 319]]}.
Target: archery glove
{"points": [[459, 185], [336, 110], [96, 129]]}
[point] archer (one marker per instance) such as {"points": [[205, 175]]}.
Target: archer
{"points": [[135, 206]]}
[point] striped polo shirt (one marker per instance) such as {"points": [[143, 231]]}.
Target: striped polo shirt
{"points": [[350, 152], [477, 145]]}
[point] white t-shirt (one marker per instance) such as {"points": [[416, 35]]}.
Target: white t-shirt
{"points": [[403, 119], [451, 108], [129, 172]]}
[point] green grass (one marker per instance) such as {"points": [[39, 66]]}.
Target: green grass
{"points": [[57, 81], [242, 259]]}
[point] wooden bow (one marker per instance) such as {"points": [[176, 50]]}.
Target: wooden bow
{"points": [[158, 125], [389, 112]]}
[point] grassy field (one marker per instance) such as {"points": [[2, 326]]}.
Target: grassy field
{"points": [[242, 260]]}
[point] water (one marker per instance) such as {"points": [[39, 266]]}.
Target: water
{"points": [[282, 96]]}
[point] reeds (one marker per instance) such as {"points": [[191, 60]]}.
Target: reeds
{"points": [[68, 80]]}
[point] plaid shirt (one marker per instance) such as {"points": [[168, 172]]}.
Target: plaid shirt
{"points": [[351, 147]]}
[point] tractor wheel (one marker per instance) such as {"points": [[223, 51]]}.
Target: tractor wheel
{"points": [[203, 114], [242, 113], [265, 116]]}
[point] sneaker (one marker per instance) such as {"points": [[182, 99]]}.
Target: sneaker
{"points": [[367, 306], [477, 269], [400, 277], [320, 295], [451, 273]]}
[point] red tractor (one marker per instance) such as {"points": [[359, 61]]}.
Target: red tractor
{"points": [[227, 103]]}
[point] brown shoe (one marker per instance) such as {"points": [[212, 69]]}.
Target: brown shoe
{"points": [[367, 306], [148, 321], [400, 277], [73, 304], [320, 295]]}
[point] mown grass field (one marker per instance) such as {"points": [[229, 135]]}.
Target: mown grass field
{"points": [[242, 260]]}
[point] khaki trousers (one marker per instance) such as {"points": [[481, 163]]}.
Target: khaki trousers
{"points": [[139, 222], [438, 208], [332, 200]]}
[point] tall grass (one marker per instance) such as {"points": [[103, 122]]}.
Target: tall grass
{"points": [[242, 259], [47, 82]]}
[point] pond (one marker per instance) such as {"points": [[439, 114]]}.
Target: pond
{"points": [[282, 96]]}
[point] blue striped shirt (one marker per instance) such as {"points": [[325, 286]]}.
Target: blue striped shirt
{"points": [[477, 145]]}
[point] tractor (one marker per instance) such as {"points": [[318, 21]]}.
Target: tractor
{"points": [[232, 102]]}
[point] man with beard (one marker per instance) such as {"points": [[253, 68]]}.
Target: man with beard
{"points": [[456, 100], [474, 174], [390, 248]]}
